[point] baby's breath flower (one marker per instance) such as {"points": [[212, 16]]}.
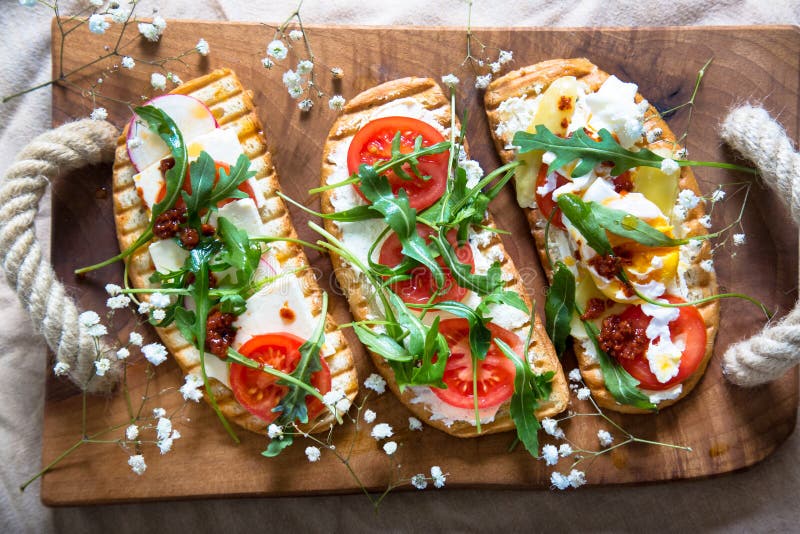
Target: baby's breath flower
{"points": [[505, 56], [669, 166], [583, 393], [277, 49], [202, 47], [312, 453], [97, 330], [149, 31], [559, 481], [88, 318], [164, 445], [295, 91], [369, 416], [438, 477], [739, 239], [101, 366], [654, 135], [605, 438], [159, 412], [295, 35], [291, 78], [61, 368], [705, 220], [274, 431], [159, 315], [419, 481], [163, 428], [390, 447], [575, 375], [336, 102], [155, 353], [99, 114], [123, 353], [707, 265], [382, 431], [681, 153], [98, 24], [159, 300], [191, 388], [336, 399], [494, 67], [132, 432], [144, 307], [450, 80], [414, 423], [136, 339], [137, 464], [118, 302], [305, 105], [304, 67], [550, 427], [376, 383], [717, 195], [119, 14], [576, 478], [171, 76], [158, 81], [267, 62], [337, 73], [113, 290], [564, 450], [688, 199], [550, 454], [482, 82]]}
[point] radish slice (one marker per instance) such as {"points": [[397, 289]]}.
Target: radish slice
{"points": [[192, 117]]}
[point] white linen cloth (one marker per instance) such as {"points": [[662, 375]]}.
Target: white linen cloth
{"points": [[762, 499]]}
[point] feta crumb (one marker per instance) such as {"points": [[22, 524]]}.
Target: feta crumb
{"points": [[450, 80], [277, 49], [202, 47], [605, 438], [482, 82], [376, 383], [550, 454], [419, 481], [132, 432], [538, 88], [369, 416], [137, 464], [390, 447], [669, 166], [414, 424], [739, 239], [584, 393], [382, 431], [559, 481], [705, 220], [312, 453], [575, 375], [155, 353], [61, 368], [158, 81]]}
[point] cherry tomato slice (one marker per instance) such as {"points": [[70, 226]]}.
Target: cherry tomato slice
{"points": [[689, 324], [495, 373], [546, 203], [373, 144], [187, 186], [419, 288], [257, 391]]}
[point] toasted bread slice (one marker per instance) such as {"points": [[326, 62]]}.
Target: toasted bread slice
{"points": [[233, 108], [358, 112], [532, 80]]}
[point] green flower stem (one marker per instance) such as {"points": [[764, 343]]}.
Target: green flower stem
{"points": [[144, 238]]}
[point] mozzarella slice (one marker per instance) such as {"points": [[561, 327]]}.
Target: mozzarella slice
{"points": [[167, 255]]}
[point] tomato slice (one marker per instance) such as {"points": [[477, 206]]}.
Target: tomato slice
{"points": [[373, 144], [546, 203], [257, 391], [419, 288], [689, 324], [495, 373], [187, 186]]}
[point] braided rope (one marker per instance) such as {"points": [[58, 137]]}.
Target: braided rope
{"points": [[770, 353], [28, 271]]}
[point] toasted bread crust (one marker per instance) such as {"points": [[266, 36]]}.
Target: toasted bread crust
{"points": [[354, 116], [233, 108], [525, 82]]}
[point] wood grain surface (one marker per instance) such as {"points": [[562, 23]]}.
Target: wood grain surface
{"points": [[728, 428]]}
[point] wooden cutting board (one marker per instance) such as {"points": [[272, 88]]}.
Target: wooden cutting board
{"points": [[728, 428]]}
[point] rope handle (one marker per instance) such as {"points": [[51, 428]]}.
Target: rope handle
{"points": [[28, 271]]}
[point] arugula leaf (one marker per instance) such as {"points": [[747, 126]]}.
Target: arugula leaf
{"points": [[529, 390], [202, 173], [623, 387], [276, 446], [228, 184], [624, 224], [559, 307], [462, 272], [583, 217], [382, 344], [480, 337], [501, 296]]}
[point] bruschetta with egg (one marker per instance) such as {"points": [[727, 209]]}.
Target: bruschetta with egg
{"points": [[394, 118], [636, 351], [216, 116]]}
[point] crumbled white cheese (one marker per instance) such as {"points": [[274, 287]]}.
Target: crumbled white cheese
{"points": [[664, 357], [657, 397], [515, 114], [613, 108], [473, 170]]}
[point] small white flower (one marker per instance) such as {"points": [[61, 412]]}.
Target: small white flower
{"points": [[144, 307], [119, 14], [382, 431], [295, 91], [202, 47], [550, 427], [118, 302], [191, 388], [390, 447], [312, 453], [739, 239], [123, 353], [369, 416], [97, 330], [717, 195], [101, 366], [295, 35], [605, 438], [99, 114], [174, 78], [654, 135], [707, 265], [159, 315], [159, 412], [113, 290], [267, 62], [419, 481], [575, 375], [163, 428], [705, 220], [274, 431], [505, 56], [450, 80], [669, 166], [550, 454], [88, 318], [305, 105], [564, 450], [337, 73], [376, 383], [414, 423], [61, 368], [482, 82], [155, 353], [538, 88], [159, 300], [159, 23], [98, 24], [576, 478], [136, 339], [336, 102], [494, 67], [336, 399], [277, 49], [688, 199], [559, 481], [158, 81], [137, 464], [132, 432], [438, 477], [165, 445], [584, 393], [149, 31], [681, 154], [680, 213], [304, 67], [291, 78]]}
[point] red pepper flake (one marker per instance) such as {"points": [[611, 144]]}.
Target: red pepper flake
{"points": [[565, 103], [607, 266], [621, 340], [286, 313], [594, 308], [168, 223]]}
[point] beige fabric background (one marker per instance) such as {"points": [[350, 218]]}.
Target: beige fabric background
{"points": [[761, 499]]}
